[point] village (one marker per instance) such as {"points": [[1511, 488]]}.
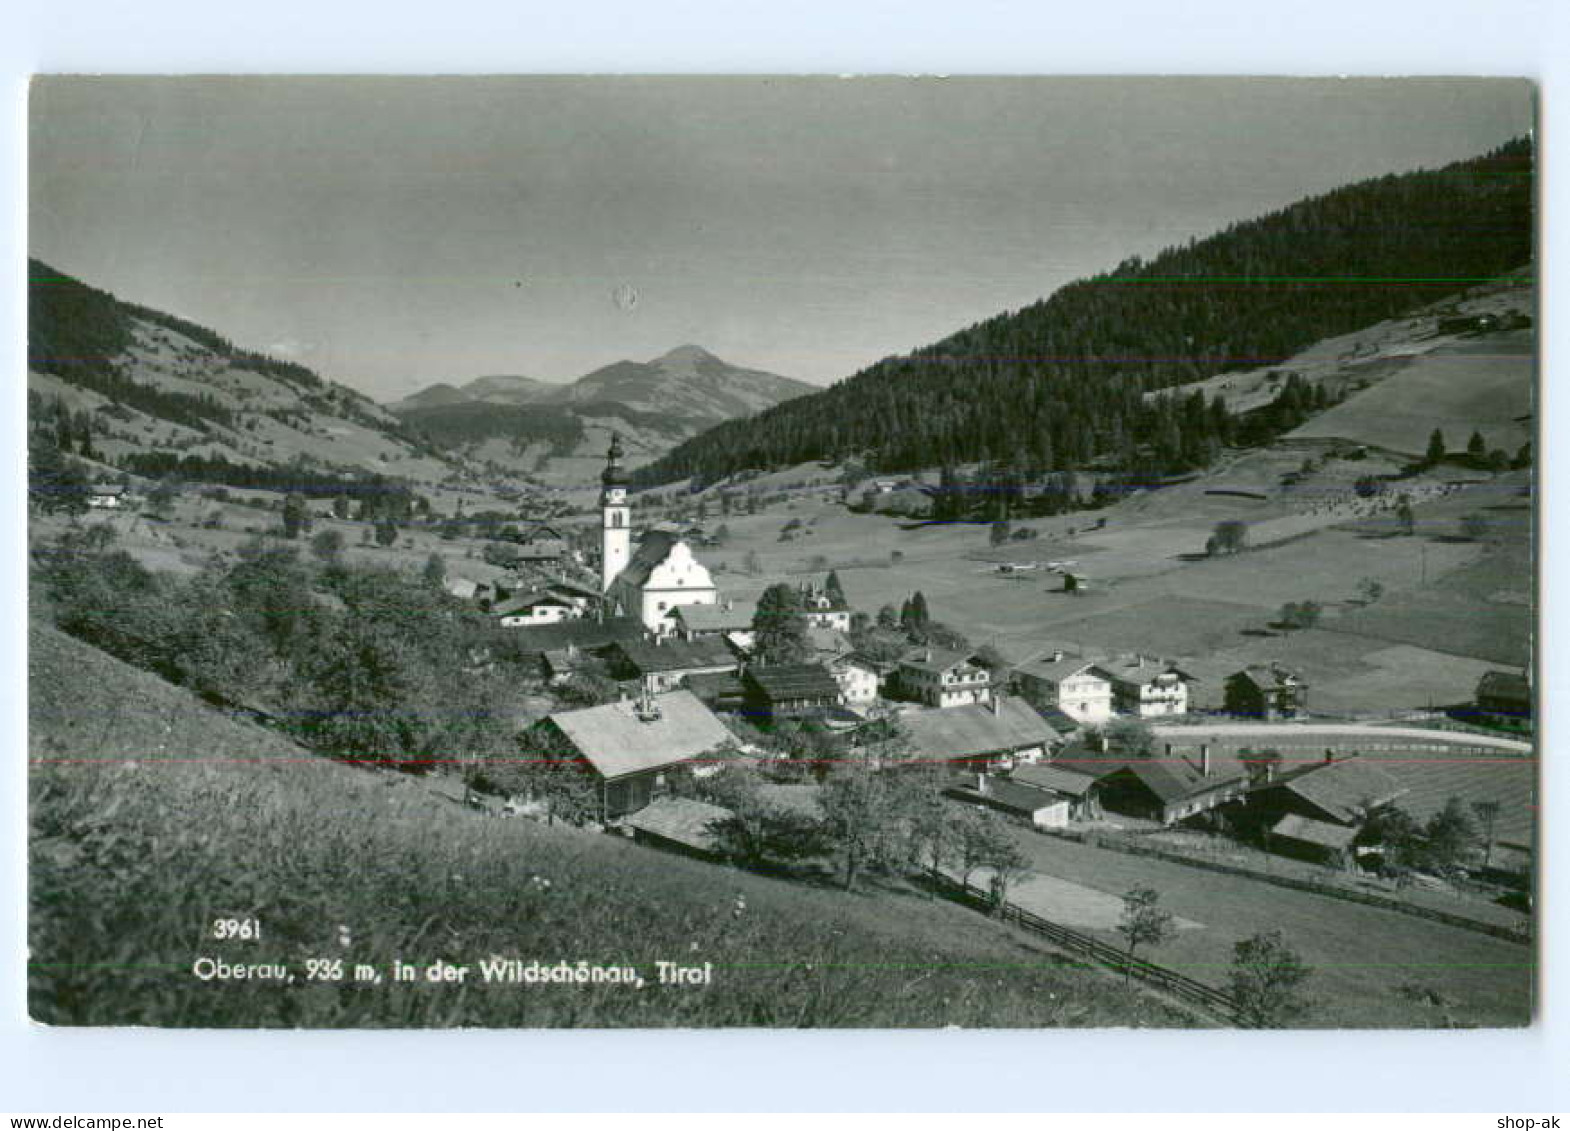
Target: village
{"points": [[687, 681]]}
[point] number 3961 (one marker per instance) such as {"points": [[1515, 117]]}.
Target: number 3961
{"points": [[243, 930]]}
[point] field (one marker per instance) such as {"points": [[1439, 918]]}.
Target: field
{"points": [[152, 815], [1485, 384], [1450, 607], [1372, 968]]}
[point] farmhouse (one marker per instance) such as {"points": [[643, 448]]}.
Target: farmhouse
{"points": [[580, 595], [663, 664], [106, 496], [1505, 697], [1167, 789], [1147, 688], [858, 678], [1072, 684], [631, 746], [1265, 692], [998, 735], [542, 544], [720, 619], [942, 678], [533, 608], [1338, 793], [821, 610], [788, 691], [1039, 807]]}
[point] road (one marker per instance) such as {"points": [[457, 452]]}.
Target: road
{"points": [[1374, 736]]}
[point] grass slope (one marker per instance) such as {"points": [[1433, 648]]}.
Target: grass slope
{"points": [[1486, 385], [151, 814]]}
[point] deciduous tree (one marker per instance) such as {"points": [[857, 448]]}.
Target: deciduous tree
{"points": [[1144, 923], [1266, 980]]}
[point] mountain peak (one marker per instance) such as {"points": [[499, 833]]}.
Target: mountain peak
{"points": [[685, 355]]}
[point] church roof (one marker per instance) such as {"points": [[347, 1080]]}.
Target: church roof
{"points": [[653, 550]]}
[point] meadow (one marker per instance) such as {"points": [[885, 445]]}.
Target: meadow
{"points": [[1372, 968]]}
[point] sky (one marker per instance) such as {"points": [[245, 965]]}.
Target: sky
{"points": [[396, 232]]}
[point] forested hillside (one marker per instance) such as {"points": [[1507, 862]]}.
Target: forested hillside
{"points": [[1060, 383], [144, 392]]}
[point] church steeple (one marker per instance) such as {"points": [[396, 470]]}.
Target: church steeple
{"points": [[616, 516], [614, 473]]}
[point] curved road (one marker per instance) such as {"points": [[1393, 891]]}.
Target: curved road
{"points": [[1318, 731]]}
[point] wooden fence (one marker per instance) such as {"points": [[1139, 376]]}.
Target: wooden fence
{"points": [[1179, 985], [1523, 935]]}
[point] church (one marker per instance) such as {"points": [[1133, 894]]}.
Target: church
{"points": [[661, 576]]}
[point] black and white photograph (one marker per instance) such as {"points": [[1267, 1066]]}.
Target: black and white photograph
{"points": [[801, 552]]}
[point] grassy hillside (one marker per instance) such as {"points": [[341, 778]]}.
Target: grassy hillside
{"points": [[152, 814], [1484, 385]]}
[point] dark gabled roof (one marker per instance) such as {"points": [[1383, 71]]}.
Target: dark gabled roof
{"points": [[943, 733], [651, 552], [677, 655], [585, 633], [1270, 677], [577, 589], [1055, 778], [1504, 685], [1170, 779], [616, 741], [528, 601], [710, 686], [1310, 831], [1009, 795], [541, 529], [794, 681], [1170, 782], [681, 820], [717, 618], [1344, 790]]}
